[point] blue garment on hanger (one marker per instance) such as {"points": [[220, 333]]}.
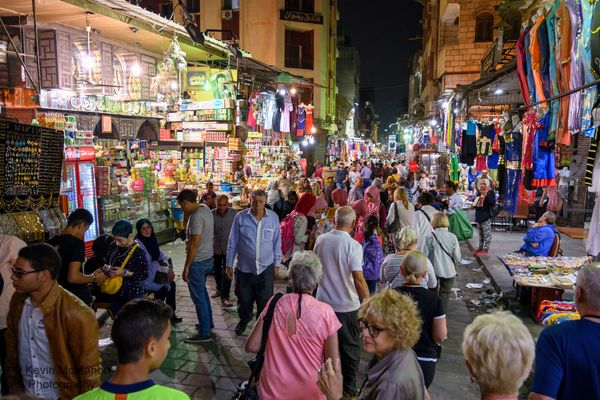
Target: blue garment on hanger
{"points": [[471, 127], [472, 177]]}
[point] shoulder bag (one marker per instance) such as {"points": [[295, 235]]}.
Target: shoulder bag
{"points": [[395, 225], [113, 284], [247, 390]]}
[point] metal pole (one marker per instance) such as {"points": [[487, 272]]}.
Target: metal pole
{"points": [[37, 48], [19, 55]]}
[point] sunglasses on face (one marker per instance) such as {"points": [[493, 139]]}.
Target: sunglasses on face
{"points": [[373, 330], [19, 273]]}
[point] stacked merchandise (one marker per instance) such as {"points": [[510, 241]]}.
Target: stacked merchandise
{"points": [[556, 312], [549, 272]]}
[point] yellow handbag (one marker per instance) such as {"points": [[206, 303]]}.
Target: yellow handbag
{"points": [[113, 285]]}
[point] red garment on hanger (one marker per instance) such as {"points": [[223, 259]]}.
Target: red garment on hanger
{"points": [[309, 118]]}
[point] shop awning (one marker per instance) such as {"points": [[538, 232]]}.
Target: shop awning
{"points": [[120, 21], [498, 88]]}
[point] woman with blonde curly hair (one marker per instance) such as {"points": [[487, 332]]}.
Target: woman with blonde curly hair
{"points": [[390, 327], [499, 353], [402, 210]]}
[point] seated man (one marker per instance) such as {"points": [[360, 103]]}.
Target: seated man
{"points": [[141, 335], [540, 237]]}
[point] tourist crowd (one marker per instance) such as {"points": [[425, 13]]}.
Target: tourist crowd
{"points": [[371, 255]]}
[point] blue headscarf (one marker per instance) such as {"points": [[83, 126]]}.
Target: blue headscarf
{"points": [[150, 243]]}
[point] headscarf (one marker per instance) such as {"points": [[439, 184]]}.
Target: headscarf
{"points": [[320, 204], [150, 243], [373, 208], [305, 203], [361, 210], [340, 197]]}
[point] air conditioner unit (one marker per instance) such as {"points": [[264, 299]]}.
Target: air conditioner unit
{"points": [[227, 14]]}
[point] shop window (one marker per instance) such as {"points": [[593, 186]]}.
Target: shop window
{"points": [[484, 27], [231, 4], [307, 6], [193, 6], [299, 49], [165, 10], [512, 28]]}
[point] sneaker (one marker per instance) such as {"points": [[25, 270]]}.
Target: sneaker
{"points": [[198, 338], [175, 319], [466, 261], [482, 253], [240, 328]]}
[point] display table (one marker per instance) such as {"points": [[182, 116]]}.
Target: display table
{"points": [[547, 277]]}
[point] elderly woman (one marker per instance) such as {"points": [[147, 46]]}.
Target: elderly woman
{"points": [[303, 333], [499, 352], [404, 242], [443, 250], [127, 259], [434, 332], [390, 326]]}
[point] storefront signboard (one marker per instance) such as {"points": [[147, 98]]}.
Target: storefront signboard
{"points": [[300, 16], [254, 135], [203, 105], [80, 154]]}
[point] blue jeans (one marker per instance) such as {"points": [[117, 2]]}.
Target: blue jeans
{"points": [[340, 185], [197, 286]]}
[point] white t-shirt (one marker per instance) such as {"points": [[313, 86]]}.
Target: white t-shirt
{"points": [[340, 255]]}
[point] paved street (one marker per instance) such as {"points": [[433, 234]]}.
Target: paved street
{"points": [[211, 371]]}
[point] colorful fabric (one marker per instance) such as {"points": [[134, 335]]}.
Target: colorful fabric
{"points": [[543, 155]]}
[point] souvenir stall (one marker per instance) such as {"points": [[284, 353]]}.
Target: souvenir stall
{"points": [[31, 162], [548, 277]]}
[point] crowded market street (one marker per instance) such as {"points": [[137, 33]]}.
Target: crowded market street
{"points": [[299, 200]]}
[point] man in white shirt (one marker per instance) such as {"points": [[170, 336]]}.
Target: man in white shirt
{"points": [[343, 287], [423, 219]]}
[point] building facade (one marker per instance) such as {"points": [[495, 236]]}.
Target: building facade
{"points": [[457, 35]]}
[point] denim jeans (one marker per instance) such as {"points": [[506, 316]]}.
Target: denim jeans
{"points": [[197, 286]]}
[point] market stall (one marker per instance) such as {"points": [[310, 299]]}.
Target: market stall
{"points": [[548, 277]]}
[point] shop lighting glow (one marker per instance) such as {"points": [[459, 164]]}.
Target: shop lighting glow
{"points": [[445, 104], [433, 122], [207, 85], [293, 91], [173, 85], [406, 130], [87, 60], [305, 142], [456, 111], [498, 91], [406, 138], [136, 69], [282, 92], [313, 130], [311, 140]]}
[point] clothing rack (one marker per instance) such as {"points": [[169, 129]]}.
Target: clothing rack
{"points": [[557, 97]]}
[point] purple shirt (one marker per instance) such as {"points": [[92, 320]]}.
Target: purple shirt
{"points": [[365, 173]]}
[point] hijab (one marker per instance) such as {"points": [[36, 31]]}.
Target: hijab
{"points": [[373, 208], [320, 204], [340, 197], [305, 203], [150, 243]]}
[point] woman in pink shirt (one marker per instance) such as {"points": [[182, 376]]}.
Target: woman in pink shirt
{"points": [[303, 334]]}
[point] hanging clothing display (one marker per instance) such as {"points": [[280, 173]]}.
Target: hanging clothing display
{"points": [[301, 120], [543, 154], [576, 67], [539, 59], [554, 91], [563, 32], [252, 111], [309, 118], [529, 70], [484, 146], [285, 114], [589, 94], [592, 245], [528, 130], [522, 67], [454, 168], [270, 110], [512, 156], [473, 174], [468, 148]]}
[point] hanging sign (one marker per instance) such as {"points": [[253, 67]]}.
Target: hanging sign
{"points": [[300, 16], [254, 135]]}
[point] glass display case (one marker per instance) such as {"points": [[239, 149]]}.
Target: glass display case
{"points": [[134, 206]]}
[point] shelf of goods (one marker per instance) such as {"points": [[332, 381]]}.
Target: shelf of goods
{"points": [[265, 160], [132, 207], [33, 226]]}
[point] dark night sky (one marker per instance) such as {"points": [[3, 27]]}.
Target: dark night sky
{"points": [[380, 30]]}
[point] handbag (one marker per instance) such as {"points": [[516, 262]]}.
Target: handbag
{"points": [[113, 284], [443, 248], [247, 390], [460, 225], [395, 225]]}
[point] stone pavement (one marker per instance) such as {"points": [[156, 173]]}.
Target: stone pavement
{"points": [[211, 370]]}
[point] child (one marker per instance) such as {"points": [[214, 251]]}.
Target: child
{"points": [[141, 335]]}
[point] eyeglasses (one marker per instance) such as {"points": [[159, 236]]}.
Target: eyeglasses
{"points": [[19, 274], [374, 331]]}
